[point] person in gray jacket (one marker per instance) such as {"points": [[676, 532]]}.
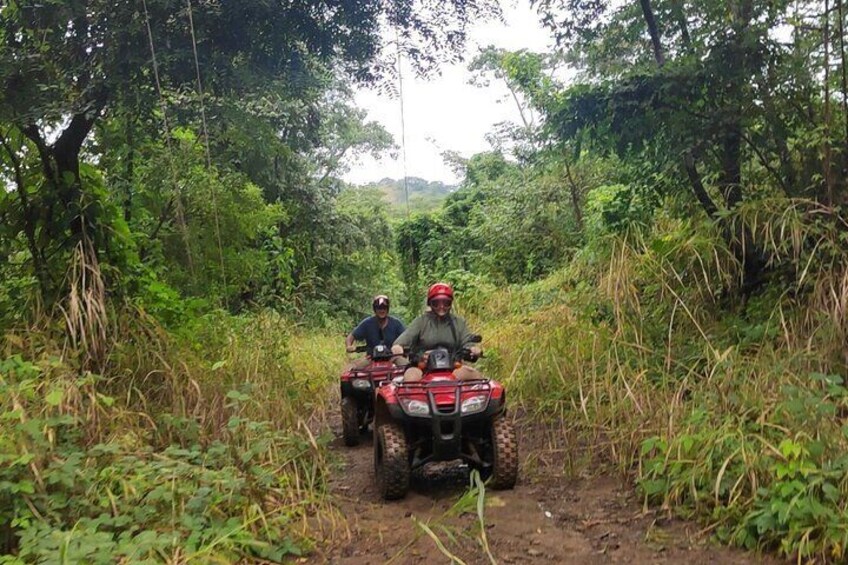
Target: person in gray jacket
{"points": [[438, 327]]}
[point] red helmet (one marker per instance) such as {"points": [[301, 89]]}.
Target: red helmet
{"points": [[439, 289]]}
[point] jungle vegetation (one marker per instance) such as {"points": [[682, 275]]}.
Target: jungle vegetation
{"points": [[656, 250]]}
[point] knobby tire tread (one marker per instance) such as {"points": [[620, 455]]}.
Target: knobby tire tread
{"points": [[393, 477], [505, 460], [350, 422]]}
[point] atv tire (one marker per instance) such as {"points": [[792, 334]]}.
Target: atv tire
{"points": [[350, 422], [504, 470], [391, 461]]}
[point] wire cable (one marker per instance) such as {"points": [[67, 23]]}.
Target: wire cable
{"points": [[164, 107], [206, 144], [402, 121]]}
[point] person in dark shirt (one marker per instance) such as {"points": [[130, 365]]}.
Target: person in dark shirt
{"points": [[375, 330]]}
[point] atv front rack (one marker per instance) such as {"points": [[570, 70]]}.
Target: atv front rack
{"points": [[363, 373], [446, 421], [378, 376], [417, 387]]}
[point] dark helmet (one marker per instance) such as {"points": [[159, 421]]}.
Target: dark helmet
{"points": [[380, 301]]}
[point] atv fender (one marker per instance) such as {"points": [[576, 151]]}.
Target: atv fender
{"points": [[494, 408], [386, 412]]}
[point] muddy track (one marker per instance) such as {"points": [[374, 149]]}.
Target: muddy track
{"points": [[545, 519]]}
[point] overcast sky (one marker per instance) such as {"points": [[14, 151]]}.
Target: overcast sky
{"points": [[447, 113]]}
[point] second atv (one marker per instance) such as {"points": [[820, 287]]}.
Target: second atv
{"points": [[357, 392], [440, 418]]}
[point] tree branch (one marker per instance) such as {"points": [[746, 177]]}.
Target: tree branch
{"points": [[764, 162], [698, 185], [74, 135], [333, 164], [575, 194], [682, 25], [653, 30], [16, 163], [29, 220], [163, 217], [34, 135]]}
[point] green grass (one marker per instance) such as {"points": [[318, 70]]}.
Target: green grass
{"points": [[210, 447], [210, 443], [729, 411]]}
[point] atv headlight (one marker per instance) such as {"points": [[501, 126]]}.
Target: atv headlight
{"points": [[415, 407], [474, 404], [361, 384]]}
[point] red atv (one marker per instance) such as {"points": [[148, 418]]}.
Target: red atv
{"points": [[358, 387], [440, 418]]}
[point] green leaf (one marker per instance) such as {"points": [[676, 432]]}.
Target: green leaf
{"points": [[652, 442], [831, 492], [653, 487], [54, 397], [790, 449], [237, 396]]}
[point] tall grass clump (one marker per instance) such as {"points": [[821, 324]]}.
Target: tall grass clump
{"points": [[724, 404], [196, 444]]}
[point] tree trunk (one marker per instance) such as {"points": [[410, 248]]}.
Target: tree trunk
{"points": [[730, 179], [682, 25], [844, 78], [129, 169], [575, 195], [60, 163], [69, 189], [30, 219], [826, 149], [653, 30], [749, 254], [689, 163], [698, 185]]}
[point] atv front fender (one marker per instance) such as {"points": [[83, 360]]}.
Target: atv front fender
{"points": [[387, 412]]}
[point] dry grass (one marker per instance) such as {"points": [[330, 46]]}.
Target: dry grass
{"points": [[85, 312], [647, 358], [247, 393]]}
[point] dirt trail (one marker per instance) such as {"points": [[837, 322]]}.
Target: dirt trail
{"points": [[545, 519]]}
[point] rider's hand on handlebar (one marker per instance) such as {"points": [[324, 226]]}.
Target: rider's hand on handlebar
{"points": [[350, 349], [475, 351], [397, 350]]}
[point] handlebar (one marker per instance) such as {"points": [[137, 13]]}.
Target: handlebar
{"points": [[462, 354], [466, 355]]}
